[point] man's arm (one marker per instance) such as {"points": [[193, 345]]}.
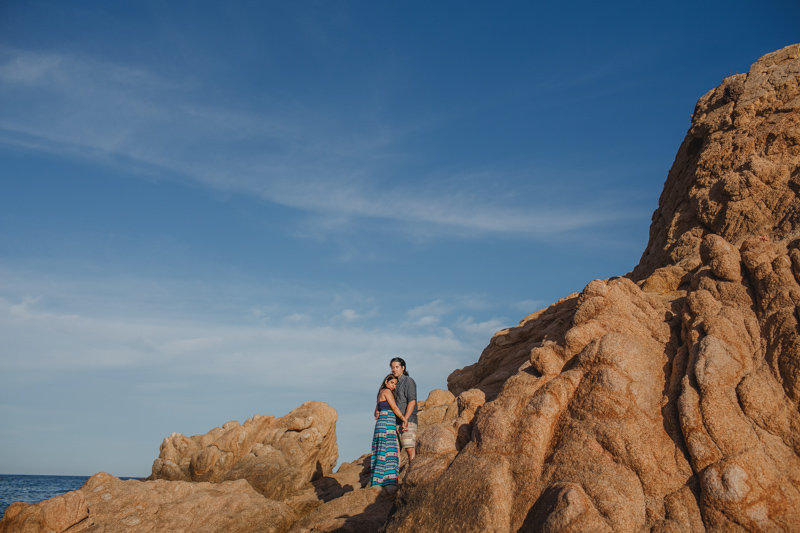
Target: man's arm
{"points": [[410, 408], [411, 396]]}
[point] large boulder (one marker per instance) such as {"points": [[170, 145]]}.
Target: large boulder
{"points": [[279, 457], [663, 400]]}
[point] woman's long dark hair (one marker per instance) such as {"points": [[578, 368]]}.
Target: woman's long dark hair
{"points": [[383, 384], [402, 363]]}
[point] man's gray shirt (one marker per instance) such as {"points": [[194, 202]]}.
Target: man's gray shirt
{"points": [[406, 392]]}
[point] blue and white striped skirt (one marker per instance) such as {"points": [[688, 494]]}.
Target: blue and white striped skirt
{"points": [[385, 450]]}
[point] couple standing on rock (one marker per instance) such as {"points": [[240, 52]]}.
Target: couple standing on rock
{"points": [[396, 413]]}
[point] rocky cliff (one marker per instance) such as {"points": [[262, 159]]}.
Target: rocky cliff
{"points": [[665, 399], [662, 400]]}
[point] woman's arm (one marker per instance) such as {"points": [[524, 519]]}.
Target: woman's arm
{"points": [[389, 397]]}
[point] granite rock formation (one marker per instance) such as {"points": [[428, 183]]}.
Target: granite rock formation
{"points": [[279, 457], [260, 476], [363, 510], [663, 400], [106, 504]]}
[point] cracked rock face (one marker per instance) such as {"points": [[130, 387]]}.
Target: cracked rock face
{"points": [[664, 400]]}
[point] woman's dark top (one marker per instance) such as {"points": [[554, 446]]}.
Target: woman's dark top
{"points": [[383, 406]]}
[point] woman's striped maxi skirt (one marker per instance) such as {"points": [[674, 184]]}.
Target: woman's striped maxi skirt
{"points": [[385, 450]]}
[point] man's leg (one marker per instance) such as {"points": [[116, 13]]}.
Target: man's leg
{"points": [[409, 440]]}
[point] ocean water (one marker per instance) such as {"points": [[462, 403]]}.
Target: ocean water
{"points": [[34, 489]]}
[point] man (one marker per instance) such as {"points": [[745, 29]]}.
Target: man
{"points": [[406, 397]]}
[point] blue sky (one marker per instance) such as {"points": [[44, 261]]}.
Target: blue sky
{"points": [[215, 209]]}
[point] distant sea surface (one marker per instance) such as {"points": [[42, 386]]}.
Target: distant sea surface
{"points": [[34, 489]]}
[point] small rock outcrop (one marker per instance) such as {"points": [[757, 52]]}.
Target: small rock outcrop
{"points": [[360, 511], [279, 457], [663, 400], [108, 505]]}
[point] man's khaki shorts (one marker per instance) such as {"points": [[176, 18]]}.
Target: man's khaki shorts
{"points": [[408, 438]]}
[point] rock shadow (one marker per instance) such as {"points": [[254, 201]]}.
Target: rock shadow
{"points": [[374, 518], [329, 488]]}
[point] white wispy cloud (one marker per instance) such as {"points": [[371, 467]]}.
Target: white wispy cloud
{"points": [[484, 329], [428, 314], [433, 314], [38, 338], [93, 109]]}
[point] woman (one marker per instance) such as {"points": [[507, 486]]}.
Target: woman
{"points": [[385, 447]]}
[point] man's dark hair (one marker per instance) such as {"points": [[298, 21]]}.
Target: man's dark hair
{"points": [[402, 363]]}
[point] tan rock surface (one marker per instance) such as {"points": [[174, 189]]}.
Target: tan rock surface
{"points": [[363, 510], [106, 504], [666, 400], [54, 515], [278, 457]]}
